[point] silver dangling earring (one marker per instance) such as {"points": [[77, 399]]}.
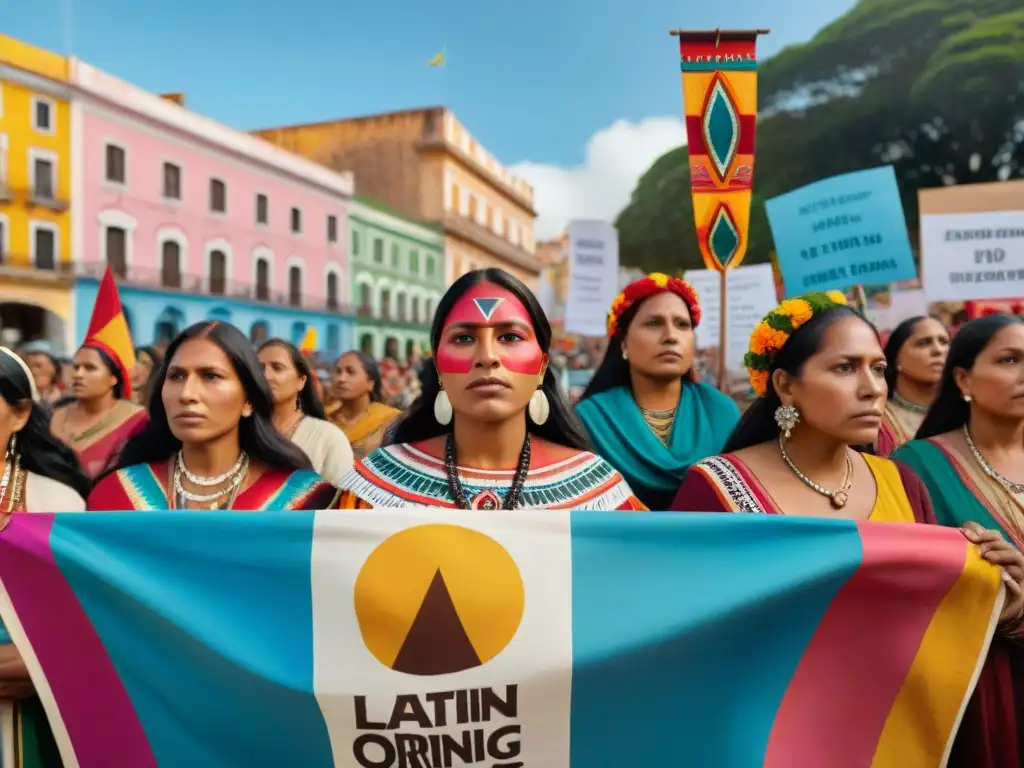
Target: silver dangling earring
{"points": [[12, 446], [786, 416], [539, 407], [625, 355], [443, 408]]}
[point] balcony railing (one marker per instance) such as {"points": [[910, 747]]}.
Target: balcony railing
{"points": [[468, 229], [19, 267], [433, 138], [40, 197], [367, 316]]}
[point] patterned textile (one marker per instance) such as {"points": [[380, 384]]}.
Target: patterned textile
{"points": [[144, 487], [402, 475], [720, 102]]}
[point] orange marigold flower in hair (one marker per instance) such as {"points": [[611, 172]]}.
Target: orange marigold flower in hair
{"points": [[659, 279], [837, 296], [758, 381], [797, 310], [766, 339]]}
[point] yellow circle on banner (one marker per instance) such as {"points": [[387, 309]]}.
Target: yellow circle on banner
{"points": [[437, 599]]}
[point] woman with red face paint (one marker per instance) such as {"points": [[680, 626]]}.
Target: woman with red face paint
{"points": [[491, 430]]}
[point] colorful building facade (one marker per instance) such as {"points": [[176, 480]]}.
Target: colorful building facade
{"points": [[425, 164], [199, 221], [398, 277], [35, 195]]}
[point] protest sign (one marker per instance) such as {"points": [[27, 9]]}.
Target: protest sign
{"points": [[750, 296], [973, 255], [842, 231], [593, 276]]}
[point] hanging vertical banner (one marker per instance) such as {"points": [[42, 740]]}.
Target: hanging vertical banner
{"points": [[720, 103]]}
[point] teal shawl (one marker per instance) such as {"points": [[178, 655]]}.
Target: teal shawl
{"points": [[704, 420]]}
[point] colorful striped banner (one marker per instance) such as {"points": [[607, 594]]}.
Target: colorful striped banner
{"points": [[720, 104], [427, 638]]}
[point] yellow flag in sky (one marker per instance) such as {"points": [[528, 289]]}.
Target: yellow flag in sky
{"points": [[438, 60]]}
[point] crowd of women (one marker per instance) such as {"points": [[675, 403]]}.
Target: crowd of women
{"points": [[924, 430]]}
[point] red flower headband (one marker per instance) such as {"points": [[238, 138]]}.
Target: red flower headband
{"points": [[652, 285]]}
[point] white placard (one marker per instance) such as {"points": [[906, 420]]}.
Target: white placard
{"points": [[593, 276], [901, 305], [751, 296], [973, 255]]}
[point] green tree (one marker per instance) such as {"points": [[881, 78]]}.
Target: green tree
{"points": [[934, 87]]}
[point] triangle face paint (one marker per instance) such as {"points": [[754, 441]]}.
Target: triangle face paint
{"points": [[487, 307]]}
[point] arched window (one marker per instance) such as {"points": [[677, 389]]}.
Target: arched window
{"points": [[218, 272], [385, 304], [332, 290], [170, 264], [415, 309], [295, 286], [262, 279], [400, 300], [366, 343], [258, 333], [365, 300]]}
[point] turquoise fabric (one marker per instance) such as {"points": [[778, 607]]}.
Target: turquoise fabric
{"points": [[704, 420]]}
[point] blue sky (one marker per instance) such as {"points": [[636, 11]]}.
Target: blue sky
{"points": [[534, 80]]}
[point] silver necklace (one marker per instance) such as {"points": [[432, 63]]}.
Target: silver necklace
{"points": [[988, 469], [840, 495], [231, 490], [207, 482], [906, 405]]}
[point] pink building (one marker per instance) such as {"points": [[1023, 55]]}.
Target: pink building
{"points": [[201, 221]]}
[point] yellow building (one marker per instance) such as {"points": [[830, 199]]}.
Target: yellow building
{"points": [[425, 164], [35, 189]]}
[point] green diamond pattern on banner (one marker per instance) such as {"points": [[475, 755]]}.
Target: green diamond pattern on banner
{"points": [[724, 238], [721, 128]]}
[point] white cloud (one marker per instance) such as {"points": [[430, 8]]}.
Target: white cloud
{"points": [[615, 159]]}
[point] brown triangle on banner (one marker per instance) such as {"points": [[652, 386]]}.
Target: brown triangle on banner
{"points": [[437, 643]]}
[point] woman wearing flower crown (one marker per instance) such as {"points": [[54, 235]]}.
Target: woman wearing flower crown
{"points": [[491, 430], [969, 452], [914, 354], [643, 410]]}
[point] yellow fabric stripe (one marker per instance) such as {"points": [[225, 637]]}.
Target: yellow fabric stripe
{"points": [[743, 85], [891, 503], [931, 701]]}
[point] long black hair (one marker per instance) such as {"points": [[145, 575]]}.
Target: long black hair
{"points": [[893, 345], [309, 402], [153, 354], [114, 368], [950, 411], [757, 424], [256, 434], [614, 368], [562, 426], [372, 371], [40, 451]]}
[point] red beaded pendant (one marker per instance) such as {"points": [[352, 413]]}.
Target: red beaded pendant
{"points": [[486, 500]]}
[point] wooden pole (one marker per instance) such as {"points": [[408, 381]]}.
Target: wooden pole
{"points": [[860, 297], [723, 34], [723, 295]]}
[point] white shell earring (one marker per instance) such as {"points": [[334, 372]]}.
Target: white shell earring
{"points": [[539, 407], [443, 408], [967, 398]]}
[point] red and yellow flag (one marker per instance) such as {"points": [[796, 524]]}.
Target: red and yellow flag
{"points": [[720, 103], [108, 330]]}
